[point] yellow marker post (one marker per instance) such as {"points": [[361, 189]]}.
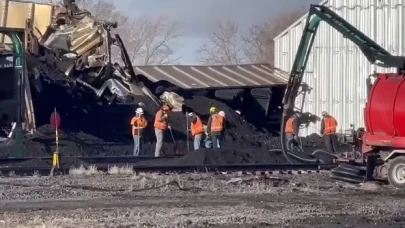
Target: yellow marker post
{"points": [[55, 160], [55, 156]]}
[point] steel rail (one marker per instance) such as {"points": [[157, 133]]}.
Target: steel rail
{"points": [[29, 171], [90, 159]]}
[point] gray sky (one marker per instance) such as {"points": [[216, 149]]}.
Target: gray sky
{"points": [[198, 18]]}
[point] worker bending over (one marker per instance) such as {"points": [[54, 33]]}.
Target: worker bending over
{"points": [[138, 123], [161, 125], [292, 127], [215, 127], [328, 131], [197, 130]]}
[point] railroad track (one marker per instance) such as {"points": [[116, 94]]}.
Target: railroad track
{"points": [[243, 169], [78, 160]]}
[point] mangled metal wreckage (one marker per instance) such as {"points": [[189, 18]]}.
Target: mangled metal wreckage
{"points": [[79, 47], [64, 45]]}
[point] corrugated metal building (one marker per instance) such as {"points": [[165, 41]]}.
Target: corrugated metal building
{"points": [[337, 70]]}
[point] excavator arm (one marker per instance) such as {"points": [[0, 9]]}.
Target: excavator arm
{"points": [[318, 13], [373, 52]]}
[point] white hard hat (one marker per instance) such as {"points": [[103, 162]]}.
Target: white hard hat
{"points": [[237, 111], [221, 113], [139, 111]]}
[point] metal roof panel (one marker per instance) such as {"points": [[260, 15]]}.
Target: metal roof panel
{"points": [[216, 79], [201, 77]]}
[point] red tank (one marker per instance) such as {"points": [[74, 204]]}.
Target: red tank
{"points": [[384, 114]]}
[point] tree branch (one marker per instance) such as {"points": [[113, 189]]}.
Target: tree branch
{"points": [[259, 42], [224, 45], [148, 40]]}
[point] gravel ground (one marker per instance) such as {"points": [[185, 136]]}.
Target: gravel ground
{"points": [[197, 200]]}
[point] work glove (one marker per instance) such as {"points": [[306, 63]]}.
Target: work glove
{"points": [[165, 115], [169, 127]]}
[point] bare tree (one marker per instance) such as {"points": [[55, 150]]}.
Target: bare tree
{"points": [[259, 44], [224, 46], [104, 10], [148, 40], [100, 9]]}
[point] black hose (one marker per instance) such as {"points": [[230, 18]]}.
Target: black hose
{"points": [[315, 160], [291, 146], [286, 149], [298, 157], [299, 150], [283, 144], [322, 151]]}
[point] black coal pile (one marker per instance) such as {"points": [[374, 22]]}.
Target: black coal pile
{"points": [[106, 131]]}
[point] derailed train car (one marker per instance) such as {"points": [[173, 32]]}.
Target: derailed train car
{"points": [[68, 51]]}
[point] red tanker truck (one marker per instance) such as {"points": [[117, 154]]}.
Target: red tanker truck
{"points": [[382, 142]]}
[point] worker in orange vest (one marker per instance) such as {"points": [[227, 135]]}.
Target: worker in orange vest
{"points": [[328, 131], [197, 130], [161, 125], [215, 127], [292, 127], [138, 123]]}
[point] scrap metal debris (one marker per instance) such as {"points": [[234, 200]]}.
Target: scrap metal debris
{"points": [[78, 46]]}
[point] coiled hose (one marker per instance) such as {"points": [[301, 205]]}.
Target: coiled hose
{"points": [[288, 147]]}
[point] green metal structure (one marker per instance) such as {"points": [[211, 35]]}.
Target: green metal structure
{"points": [[16, 36]]}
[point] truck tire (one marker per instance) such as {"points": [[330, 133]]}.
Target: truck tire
{"points": [[396, 172]]}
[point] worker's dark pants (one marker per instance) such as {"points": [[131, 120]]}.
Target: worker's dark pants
{"points": [[222, 140], [331, 142], [197, 141], [137, 145], [216, 141], [288, 138]]}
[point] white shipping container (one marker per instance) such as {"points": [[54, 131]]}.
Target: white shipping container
{"points": [[337, 70]]}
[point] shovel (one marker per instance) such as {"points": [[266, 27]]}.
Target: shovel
{"points": [[187, 131], [176, 148]]}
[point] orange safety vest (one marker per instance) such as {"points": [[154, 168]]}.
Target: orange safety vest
{"points": [[160, 124], [330, 125], [289, 127], [217, 123], [138, 122], [197, 127]]}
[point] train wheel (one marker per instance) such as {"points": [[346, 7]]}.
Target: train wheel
{"points": [[396, 172]]}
